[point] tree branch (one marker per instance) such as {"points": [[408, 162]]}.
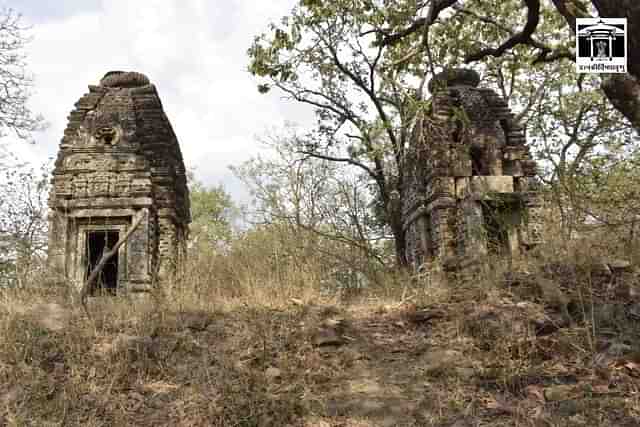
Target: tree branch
{"points": [[379, 175], [522, 37], [532, 99], [570, 10], [437, 6], [549, 55], [371, 173]]}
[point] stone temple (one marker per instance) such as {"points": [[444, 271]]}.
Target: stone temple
{"points": [[119, 159], [470, 187]]}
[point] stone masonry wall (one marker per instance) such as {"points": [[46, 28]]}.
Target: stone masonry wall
{"points": [[465, 152], [119, 157]]}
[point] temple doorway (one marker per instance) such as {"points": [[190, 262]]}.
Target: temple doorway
{"points": [[99, 242]]}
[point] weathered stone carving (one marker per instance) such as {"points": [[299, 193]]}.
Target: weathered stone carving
{"points": [[469, 189], [119, 155], [106, 135]]}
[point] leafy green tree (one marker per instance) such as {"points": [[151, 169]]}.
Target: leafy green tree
{"points": [[362, 65], [622, 90], [609, 189], [212, 216], [323, 54]]}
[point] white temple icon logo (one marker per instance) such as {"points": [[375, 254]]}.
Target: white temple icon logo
{"points": [[601, 45]]}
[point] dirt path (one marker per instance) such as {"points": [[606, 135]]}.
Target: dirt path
{"points": [[387, 361]]}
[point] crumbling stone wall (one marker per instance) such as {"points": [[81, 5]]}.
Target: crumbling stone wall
{"points": [[468, 176], [119, 156]]}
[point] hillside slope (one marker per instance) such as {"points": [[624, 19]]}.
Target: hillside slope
{"points": [[559, 346]]}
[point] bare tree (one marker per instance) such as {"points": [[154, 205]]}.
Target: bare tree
{"points": [[23, 225], [327, 204], [15, 81]]}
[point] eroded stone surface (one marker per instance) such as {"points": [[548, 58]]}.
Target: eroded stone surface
{"points": [[469, 189], [119, 156]]}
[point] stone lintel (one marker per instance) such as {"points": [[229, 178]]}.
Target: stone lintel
{"points": [[92, 213], [101, 202], [481, 185]]}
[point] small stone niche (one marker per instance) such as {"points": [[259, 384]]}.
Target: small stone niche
{"points": [[119, 159], [470, 186]]}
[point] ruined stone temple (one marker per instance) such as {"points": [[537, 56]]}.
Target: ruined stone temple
{"points": [[119, 159], [469, 188]]}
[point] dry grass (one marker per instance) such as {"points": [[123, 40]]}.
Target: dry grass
{"points": [[243, 340]]}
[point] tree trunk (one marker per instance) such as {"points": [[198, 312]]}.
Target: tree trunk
{"points": [[395, 221], [623, 90]]}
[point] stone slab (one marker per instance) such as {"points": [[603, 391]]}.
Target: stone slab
{"points": [[481, 185]]}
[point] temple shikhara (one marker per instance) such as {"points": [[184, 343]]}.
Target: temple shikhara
{"points": [[119, 159], [469, 189]]}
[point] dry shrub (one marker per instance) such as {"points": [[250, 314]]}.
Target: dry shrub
{"points": [[271, 265], [201, 353]]}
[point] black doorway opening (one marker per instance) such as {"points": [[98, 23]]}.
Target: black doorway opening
{"points": [[477, 163], [496, 226], [99, 242]]}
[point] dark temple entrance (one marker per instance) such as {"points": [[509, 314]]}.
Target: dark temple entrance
{"points": [[99, 242], [496, 222]]}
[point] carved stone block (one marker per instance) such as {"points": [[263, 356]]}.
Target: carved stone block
{"points": [[469, 164], [104, 177], [481, 185]]}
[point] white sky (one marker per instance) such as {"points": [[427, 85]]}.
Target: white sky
{"points": [[194, 51]]}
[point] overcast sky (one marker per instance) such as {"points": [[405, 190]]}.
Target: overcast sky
{"points": [[194, 51]]}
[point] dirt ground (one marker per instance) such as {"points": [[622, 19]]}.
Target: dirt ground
{"points": [[506, 356]]}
